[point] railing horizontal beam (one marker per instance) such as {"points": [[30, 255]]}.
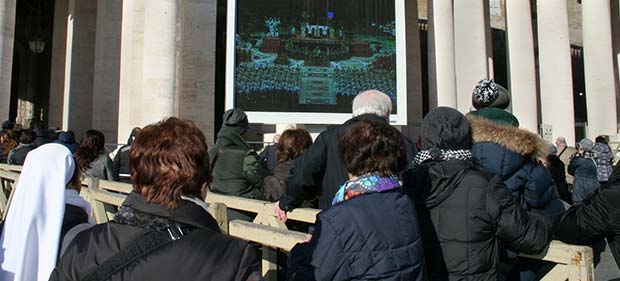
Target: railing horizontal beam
{"points": [[269, 236]]}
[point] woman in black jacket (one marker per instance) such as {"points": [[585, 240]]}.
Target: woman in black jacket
{"points": [[163, 230], [371, 230], [463, 212], [292, 144]]}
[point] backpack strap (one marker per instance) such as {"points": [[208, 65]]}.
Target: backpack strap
{"points": [[562, 152], [137, 249]]}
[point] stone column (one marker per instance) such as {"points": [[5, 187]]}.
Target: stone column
{"points": [[615, 24], [470, 48], [150, 63], [599, 68], [521, 63], [130, 92], [161, 50], [107, 68], [441, 69], [414, 66], [7, 35], [73, 53], [556, 86], [197, 100], [59, 51]]}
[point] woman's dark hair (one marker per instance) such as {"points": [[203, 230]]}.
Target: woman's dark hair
{"points": [[27, 136], [372, 146], [601, 139], [169, 159], [91, 146], [293, 143]]}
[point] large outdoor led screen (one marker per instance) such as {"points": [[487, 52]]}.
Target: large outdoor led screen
{"points": [[303, 61]]}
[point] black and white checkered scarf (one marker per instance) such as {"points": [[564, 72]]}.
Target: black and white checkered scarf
{"points": [[441, 155]]}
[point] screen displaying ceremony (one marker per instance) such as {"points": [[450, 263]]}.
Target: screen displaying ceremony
{"points": [[313, 55]]}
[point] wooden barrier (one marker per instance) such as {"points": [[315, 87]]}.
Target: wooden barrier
{"points": [[572, 262]]}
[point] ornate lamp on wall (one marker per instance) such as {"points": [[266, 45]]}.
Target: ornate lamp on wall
{"points": [[37, 26], [37, 45]]}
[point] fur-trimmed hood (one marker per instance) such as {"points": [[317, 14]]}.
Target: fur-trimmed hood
{"points": [[511, 153], [519, 141]]}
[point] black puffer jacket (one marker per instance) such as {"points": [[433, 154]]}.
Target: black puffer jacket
{"points": [[596, 218], [370, 237], [204, 254], [463, 213], [319, 171], [510, 153]]}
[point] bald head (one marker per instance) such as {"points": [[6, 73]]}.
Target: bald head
{"points": [[560, 141], [372, 102]]}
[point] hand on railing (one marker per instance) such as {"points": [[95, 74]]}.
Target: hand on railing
{"points": [[308, 238], [279, 213]]}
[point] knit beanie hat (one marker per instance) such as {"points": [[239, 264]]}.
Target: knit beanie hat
{"points": [[8, 125], [488, 94], [585, 144], [446, 128], [235, 117], [497, 116]]}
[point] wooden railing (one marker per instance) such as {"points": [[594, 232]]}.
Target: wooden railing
{"points": [[572, 262]]}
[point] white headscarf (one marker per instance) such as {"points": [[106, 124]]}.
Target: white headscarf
{"points": [[31, 232]]}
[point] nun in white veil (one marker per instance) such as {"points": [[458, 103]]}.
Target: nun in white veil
{"points": [[32, 230]]}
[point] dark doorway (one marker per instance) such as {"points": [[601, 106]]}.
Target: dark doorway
{"points": [[32, 58]]}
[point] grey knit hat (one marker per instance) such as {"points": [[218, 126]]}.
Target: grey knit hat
{"points": [[489, 94], [585, 144]]}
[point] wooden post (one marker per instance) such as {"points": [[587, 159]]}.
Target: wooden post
{"points": [[220, 213], [8, 202], [270, 264], [99, 212], [6, 187]]}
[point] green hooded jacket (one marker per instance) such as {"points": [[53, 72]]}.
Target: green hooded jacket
{"points": [[237, 169]]}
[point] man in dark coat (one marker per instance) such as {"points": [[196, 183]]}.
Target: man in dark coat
{"points": [[596, 218], [120, 164], [166, 213], [320, 170], [269, 154], [17, 156], [464, 212]]}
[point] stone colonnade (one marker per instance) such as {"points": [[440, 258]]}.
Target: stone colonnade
{"points": [[7, 33], [119, 64], [459, 47]]}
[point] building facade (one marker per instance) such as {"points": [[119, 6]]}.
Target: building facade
{"points": [[113, 65]]}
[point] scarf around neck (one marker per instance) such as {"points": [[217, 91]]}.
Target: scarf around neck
{"points": [[368, 183], [441, 155]]}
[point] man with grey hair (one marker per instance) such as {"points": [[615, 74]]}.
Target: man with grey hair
{"points": [[372, 102], [319, 172]]}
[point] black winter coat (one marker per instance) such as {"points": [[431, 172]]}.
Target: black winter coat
{"points": [[373, 236], [595, 218], [204, 254], [463, 214], [120, 164], [319, 171]]}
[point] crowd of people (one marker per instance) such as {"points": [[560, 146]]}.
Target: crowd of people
{"points": [[459, 204], [351, 81]]}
